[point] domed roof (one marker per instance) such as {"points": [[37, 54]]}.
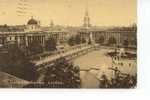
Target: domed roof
{"points": [[32, 22]]}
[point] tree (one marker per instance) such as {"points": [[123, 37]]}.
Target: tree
{"points": [[100, 40], [16, 63], [35, 47], [64, 72], [83, 40], [75, 40], [112, 41], [78, 39], [71, 41], [126, 43], [50, 44], [90, 41]]}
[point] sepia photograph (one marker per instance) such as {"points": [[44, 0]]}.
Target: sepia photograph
{"points": [[71, 44]]}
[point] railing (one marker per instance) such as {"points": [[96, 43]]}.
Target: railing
{"points": [[74, 51]]}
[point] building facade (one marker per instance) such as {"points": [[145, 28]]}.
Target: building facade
{"points": [[32, 31], [114, 36], [25, 35]]}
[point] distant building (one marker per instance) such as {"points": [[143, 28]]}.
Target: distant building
{"points": [[33, 25], [52, 24], [24, 35], [112, 36]]}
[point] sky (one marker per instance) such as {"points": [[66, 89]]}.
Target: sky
{"points": [[69, 12]]}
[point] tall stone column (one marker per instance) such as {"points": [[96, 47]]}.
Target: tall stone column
{"points": [[26, 40], [91, 38]]}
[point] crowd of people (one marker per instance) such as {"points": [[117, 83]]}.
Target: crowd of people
{"points": [[120, 80]]}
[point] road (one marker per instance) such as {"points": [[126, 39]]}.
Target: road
{"points": [[62, 54]]}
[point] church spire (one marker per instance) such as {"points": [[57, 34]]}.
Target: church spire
{"points": [[86, 23], [86, 12]]}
